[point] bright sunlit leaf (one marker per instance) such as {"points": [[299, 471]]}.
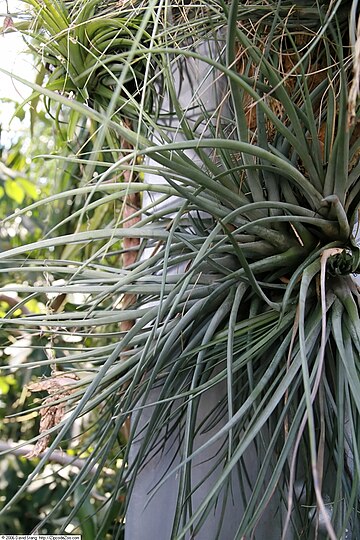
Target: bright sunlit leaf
{"points": [[14, 191]]}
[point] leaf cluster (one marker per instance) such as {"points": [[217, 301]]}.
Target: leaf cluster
{"points": [[242, 282]]}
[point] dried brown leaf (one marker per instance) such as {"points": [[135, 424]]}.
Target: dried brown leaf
{"points": [[51, 413], [355, 85], [8, 23]]}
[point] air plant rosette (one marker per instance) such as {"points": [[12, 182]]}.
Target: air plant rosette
{"points": [[265, 202]]}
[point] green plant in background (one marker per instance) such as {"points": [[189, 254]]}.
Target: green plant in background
{"points": [[260, 238], [23, 181]]}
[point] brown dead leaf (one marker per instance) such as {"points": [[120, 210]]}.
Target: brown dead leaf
{"points": [[354, 88], [8, 23], [51, 413]]}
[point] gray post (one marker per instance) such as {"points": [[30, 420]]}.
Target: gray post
{"points": [[150, 515]]}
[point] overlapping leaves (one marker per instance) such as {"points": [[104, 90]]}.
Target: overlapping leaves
{"points": [[246, 224]]}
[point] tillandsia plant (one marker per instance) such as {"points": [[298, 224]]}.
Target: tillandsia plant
{"points": [[243, 282]]}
